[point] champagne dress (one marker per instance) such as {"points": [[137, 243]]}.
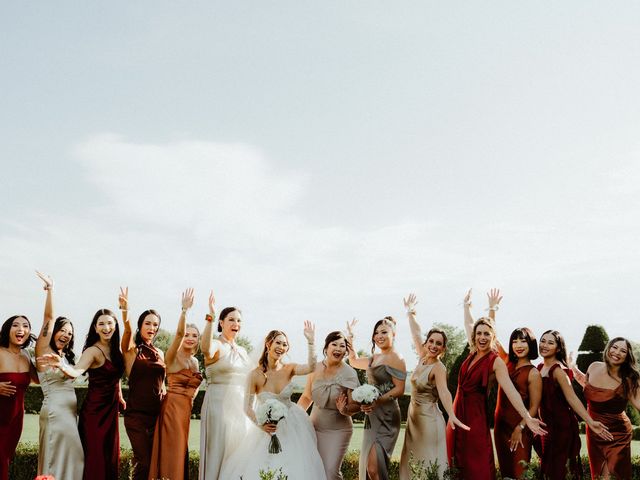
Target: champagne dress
{"points": [[384, 420], [608, 406], [424, 438], [223, 422], [170, 456], [333, 430], [12, 409], [60, 454]]}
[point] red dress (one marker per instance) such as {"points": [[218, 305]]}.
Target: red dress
{"points": [[472, 452], [608, 406], [506, 420], [12, 409], [98, 423], [561, 444]]}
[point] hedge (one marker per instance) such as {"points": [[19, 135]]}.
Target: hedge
{"points": [[25, 464]]}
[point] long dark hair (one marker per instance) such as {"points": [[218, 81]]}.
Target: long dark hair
{"points": [[263, 363], [67, 351], [332, 337], [525, 334], [141, 318], [390, 322], [628, 370], [223, 314], [6, 328], [561, 351], [93, 337]]}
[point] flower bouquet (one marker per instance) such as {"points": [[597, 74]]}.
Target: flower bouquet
{"points": [[271, 412], [365, 394]]}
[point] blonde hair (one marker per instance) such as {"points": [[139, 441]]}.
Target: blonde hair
{"points": [[489, 323]]}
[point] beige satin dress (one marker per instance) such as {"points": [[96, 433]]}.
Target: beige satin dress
{"points": [[424, 438], [333, 430]]}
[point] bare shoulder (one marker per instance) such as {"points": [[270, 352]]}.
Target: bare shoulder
{"points": [[596, 368], [396, 361], [534, 373]]}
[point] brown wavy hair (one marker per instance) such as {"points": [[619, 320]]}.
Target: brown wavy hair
{"points": [[263, 363], [489, 323], [628, 370]]}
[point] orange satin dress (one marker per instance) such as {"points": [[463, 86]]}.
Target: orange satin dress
{"points": [[506, 419], [170, 453], [608, 406]]}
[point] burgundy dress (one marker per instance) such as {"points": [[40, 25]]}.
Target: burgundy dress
{"points": [[608, 406], [561, 444], [506, 420], [98, 423], [12, 414], [143, 406], [472, 452]]}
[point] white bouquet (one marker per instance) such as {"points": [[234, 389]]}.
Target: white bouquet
{"points": [[271, 412], [365, 394]]}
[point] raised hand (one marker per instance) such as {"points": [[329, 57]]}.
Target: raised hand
{"points": [[123, 299], [350, 326], [48, 281], [309, 331], [410, 303], [212, 304], [187, 299], [494, 298], [467, 299], [7, 390]]}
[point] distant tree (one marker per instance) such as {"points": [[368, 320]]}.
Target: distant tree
{"points": [[592, 346], [362, 374], [163, 339], [244, 342], [456, 341], [452, 373]]}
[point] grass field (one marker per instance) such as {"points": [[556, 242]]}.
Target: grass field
{"points": [[30, 434]]}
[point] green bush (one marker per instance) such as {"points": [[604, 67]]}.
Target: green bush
{"points": [[594, 340]]}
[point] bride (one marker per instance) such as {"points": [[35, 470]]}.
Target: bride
{"points": [[299, 457]]}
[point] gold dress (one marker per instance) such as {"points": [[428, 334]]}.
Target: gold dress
{"points": [[424, 438]]}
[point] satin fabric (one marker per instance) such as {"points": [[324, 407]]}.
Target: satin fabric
{"points": [[12, 409], [424, 437], [333, 430], [170, 454], [60, 454]]}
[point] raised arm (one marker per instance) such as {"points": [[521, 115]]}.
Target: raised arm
{"points": [[440, 376], [579, 377], [468, 318], [187, 303], [127, 343], [572, 399], [502, 376], [416, 334], [309, 334], [208, 345], [361, 363], [42, 343], [494, 298]]}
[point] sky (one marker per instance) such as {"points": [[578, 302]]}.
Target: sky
{"points": [[321, 160]]}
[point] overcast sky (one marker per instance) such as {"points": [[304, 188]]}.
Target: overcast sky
{"points": [[320, 160]]}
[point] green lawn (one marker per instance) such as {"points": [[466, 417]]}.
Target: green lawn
{"points": [[30, 434]]}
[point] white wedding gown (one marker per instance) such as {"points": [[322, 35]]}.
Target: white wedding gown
{"points": [[299, 458]]}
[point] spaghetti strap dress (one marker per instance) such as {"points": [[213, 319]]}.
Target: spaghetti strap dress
{"points": [[471, 452], [561, 445], [170, 455], [143, 406], [384, 422], [507, 419], [98, 423], [608, 406], [12, 409], [60, 454]]}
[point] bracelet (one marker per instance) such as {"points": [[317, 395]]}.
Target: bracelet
{"points": [[522, 426], [494, 308], [411, 311], [468, 304], [208, 318], [48, 287], [184, 310], [124, 309]]}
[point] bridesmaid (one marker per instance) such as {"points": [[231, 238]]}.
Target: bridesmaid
{"points": [[424, 439], [98, 425], [145, 368], [387, 371], [60, 450], [608, 386], [170, 454], [513, 440], [559, 401], [15, 375], [329, 388], [472, 452], [223, 423]]}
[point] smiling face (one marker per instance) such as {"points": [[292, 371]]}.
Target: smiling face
{"points": [[231, 324], [19, 331], [105, 327], [63, 336], [548, 346], [336, 350], [520, 347], [617, 353], [435, 345], [191, 339], [149, 327], [278, 347], [483, 338], [383, 336]]}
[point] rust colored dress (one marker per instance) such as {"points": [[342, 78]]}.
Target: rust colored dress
{"points": [[12, 409], [143, 406], [169, 458], [506, 420], [561, 444], [472, 452], [608, 406]]}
